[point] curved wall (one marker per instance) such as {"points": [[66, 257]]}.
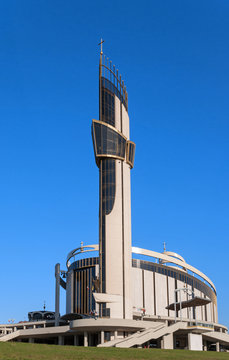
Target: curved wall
{"points": [[152, 288]]}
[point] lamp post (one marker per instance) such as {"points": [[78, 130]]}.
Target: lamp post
{"points": [[176, 301]]}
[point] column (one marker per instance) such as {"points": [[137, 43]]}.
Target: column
{"points": [[217, 346], [60, 340], [115, 334], [205, 347], [89, 339], [85, 338], [76, 340], [31, 340], [102, 337], [57, 294], [195, 342], [168, 341]]}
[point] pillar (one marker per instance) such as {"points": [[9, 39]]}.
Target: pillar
{"points": [[60, 340], [57, 294], [217, 346], [205, 345], [168, 341], [115, 334], [89, 339], [85, 335], [102, 337], [31, 340], [195, 342], [76, 340]]}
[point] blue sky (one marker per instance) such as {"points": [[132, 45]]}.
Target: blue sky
{"points": [[173, 57]]}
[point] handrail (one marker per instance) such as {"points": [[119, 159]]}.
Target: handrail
{"points": [[173, 260], [145, 252]]}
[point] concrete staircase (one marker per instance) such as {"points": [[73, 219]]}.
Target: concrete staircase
{"points": [[141, 337], [10, 336], [37, 332], [215, 335], [114, 342]]}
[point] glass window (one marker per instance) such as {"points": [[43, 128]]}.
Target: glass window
{"points": [[108, 141], [108, 85], [130, 153]]}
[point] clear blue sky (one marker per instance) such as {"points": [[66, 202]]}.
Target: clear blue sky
{"points": [[173, 56]]}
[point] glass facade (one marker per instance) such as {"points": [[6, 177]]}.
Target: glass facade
{"points": [[108, 85], [108, 106], [84, 280], [107, 169], [108, 185], [130, 153], [108, 141]]}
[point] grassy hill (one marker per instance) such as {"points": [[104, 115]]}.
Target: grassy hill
{"points": [[25, 351]]}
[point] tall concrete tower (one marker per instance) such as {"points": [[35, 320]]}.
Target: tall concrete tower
{"points": [[114, 154]]}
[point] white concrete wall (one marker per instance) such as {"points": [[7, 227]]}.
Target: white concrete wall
{"points": [[125, 123], [168, 341], [97, 275], [195, 342], [136, 280], [114, 266], [149, 292], [216, 313], [161, 294], [189, 310], [181, 285], [198, 308], [118, 241], [209, 317], [171, 283], [117, 114], [127, 240]]}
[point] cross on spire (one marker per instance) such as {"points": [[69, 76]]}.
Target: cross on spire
{"points": [[101, 44]]}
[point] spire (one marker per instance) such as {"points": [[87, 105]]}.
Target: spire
{"points": [[101, 44], [164, 245]]}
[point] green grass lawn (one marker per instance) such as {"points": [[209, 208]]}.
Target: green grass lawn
{"points": [[24, 351]]}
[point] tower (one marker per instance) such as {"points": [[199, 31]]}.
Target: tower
{"points": [[114, 155]]}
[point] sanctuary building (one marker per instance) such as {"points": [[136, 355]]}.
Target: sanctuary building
{"points": [[114, 298]]}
